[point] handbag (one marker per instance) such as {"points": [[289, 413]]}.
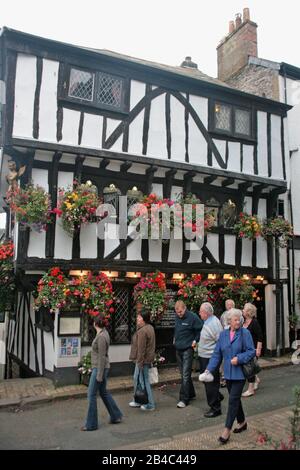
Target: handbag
{"points": [[250, 368], [153, 375], [140, 394]]}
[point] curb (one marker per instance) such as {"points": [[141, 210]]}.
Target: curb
{"points": [[38, 400]]}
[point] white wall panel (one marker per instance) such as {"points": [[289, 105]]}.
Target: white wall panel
{"points": [[177, 130], [246, 252], [155, 250], [175, 251], [88, 241], [261, 253], [248, 159], [112, 124], [234, 161], [63, 242], [262, 144], [111, 239], [48, 101], [137, 92], [221, 146], [197, 143], [277, 171], [135, 138], [195, 252], [157, 137], [37, 244], [49, 351], [24, 96], [157, 189], [70, 127], [40, 178], [213, 244], [248, 205], [230, 242], [92, 131]]}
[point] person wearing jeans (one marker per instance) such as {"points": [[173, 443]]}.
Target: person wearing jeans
{"points": [[143, 354], [186, 335], [235, 353], [98, 378]]}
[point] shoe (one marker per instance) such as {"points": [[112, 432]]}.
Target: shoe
{"points": [[247, 394], [223, 440], [241, 429], [147, 408], [116, 421], [256, 383], [212, 414], [222, 383], [181, 404], [133, 404], [84, 428], [206, 377]]}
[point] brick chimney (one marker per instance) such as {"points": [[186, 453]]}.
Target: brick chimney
{"points": [[237, 46]]}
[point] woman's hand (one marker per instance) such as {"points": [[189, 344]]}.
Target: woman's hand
{"points": [[234, 361], [258, 352]]}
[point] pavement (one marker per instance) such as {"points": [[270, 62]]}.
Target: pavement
{"points": [[20, 393]]}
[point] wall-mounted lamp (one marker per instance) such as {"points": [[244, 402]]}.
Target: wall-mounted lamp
{"points": [[227, 277], [260, 278], [78, 272], [212, 277], [178, 277], [111, 274], [133, 275], [246, 277]]}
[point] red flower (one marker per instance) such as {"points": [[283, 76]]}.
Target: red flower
{"points": [[57, 211], [54, 272]]}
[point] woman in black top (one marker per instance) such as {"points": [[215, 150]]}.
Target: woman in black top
{"points": [[251, 323]]}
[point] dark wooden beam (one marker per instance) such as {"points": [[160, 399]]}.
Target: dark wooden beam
{"points": [[210, 179], [243, 187], [52, 182], [104, 163], [150, 175], [125, 167], [187, 181], [167, 188], [228, 182]]}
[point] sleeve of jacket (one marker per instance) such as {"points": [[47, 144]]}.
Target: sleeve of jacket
{"points": [[259, 333], [102, 352], [141, 349], [248, 345], [197, 325], [216, 358]]}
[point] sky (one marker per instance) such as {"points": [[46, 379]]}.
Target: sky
{"points": [[164, 31]]}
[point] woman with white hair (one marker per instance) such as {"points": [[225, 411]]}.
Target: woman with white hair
{"points": [[252, 325], [235, 346]]}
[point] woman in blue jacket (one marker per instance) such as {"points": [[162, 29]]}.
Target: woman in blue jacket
{"points": [[235, 346]]}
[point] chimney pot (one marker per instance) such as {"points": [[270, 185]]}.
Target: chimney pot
{"points": [[231, 27], [246, 14], [238, 20], [188, 63]]}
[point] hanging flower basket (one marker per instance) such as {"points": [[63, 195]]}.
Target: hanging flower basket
{"points": [[278, 228], [193, 292], [239, 290], [191, 217], [151, 293], [32, 206], [248, 226], [7, 283], [94, 294], [77, 206]]}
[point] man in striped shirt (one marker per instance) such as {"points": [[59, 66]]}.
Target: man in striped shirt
{"points": [[208, 339]]}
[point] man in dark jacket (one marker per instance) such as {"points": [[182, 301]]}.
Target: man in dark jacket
{"points": [[186, 336]]}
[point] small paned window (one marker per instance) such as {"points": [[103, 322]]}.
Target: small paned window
{"points": [[97, 89], [242, 122], [222, 117]]}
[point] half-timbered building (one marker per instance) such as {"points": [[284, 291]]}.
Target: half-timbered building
{"points": [[132, 126]]}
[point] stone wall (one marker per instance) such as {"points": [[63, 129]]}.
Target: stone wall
{"points": [[258, 80]]}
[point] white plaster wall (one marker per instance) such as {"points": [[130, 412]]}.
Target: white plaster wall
{"points": [[111, 239], [197, 143], [234, 161], [91, 162], [195, 252], [230, 241], [3, 336], [270, 305], [88, 241], [262, 144], [175, 192], [177, 130], [296, 275], [295, 193], [155, 249], [262, 246], [175, 251], [135, 140], [137, 93], [48, 101], [24, 96], [63, 242], [37, 244], [246, 252], [157, 189], [248, 205], [40, 177], [70, 127], [134, 250], [248, 159], [221, 146], [49, 351], [213, 245], [119, 353], [157, 137], [112, 124], [92, 131], [277, 170]]}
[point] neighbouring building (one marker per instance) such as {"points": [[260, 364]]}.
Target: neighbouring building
{"points": [[72, 112]]}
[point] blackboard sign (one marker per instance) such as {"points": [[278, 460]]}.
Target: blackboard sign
{"points": [[168, 318]]}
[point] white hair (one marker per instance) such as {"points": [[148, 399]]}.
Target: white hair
{"points": [[234, 312], [208, 308]]}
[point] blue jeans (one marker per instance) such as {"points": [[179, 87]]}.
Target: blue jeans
{"points": [[109, 402], [185, 361], [145, 384]]}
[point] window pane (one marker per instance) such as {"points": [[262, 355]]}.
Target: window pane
{"points": [[109, 90], [222, 117], [81, 84], [242, 122]]}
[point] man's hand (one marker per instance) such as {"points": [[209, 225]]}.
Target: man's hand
{"points": [[194, 344], [234, 361]]}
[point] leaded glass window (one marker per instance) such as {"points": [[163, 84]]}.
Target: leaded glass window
{"points": [[222, 117], [109, 90], [228, 214], [242, 122], [81, 84]]}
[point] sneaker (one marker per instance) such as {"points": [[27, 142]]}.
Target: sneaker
{"points": [[256, 383], [181, 404], [247, 394], [133, 404], [147, 408], [206, 377]]}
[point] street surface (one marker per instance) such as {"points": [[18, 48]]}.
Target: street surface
{"points": [[57, 425]]}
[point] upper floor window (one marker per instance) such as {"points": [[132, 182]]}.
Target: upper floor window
{"points": [[231, 120], [96, 88]]}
